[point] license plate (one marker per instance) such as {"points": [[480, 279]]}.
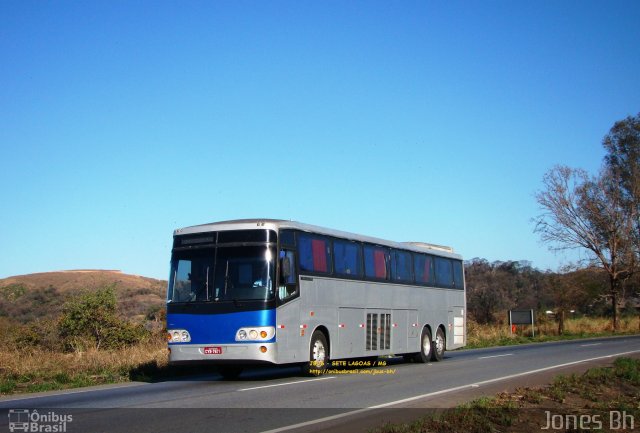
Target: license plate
{"points": [[213, 350]]}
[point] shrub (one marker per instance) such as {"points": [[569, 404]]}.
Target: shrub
{"points": [[91, 320], [12, 291], [38, 334]]}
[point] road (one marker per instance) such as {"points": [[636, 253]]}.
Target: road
{"points": [[278, 399]]}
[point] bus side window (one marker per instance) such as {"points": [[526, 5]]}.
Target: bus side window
{"points": [[375, 262], [288, 287], [444, 272]]}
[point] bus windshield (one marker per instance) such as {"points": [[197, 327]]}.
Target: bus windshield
{"points": [[222, 274]]}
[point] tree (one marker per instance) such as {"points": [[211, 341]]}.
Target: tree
{"points": [[485, 295], [92, 318], [586, 212], [573, 290], [622, 144], [494, 288]]}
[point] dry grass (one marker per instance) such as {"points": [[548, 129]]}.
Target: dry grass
{"points": [[546, 330], [32, 371], [24, 371]]}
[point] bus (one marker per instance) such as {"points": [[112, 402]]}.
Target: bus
{"points": [[264, 291]]}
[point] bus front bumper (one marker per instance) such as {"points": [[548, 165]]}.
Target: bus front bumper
{"points": [[254, 353]]}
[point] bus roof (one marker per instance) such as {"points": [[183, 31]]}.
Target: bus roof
{"points": [[275, 224]]}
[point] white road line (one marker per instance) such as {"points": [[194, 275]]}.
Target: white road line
{"points": [[444, 391], [288, 383], [589, 345], [495, 356]]}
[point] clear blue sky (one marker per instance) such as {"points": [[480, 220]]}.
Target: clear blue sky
{"points": [[428, 121]]}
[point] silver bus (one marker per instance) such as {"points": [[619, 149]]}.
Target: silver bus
{"points": [[254, 291]]}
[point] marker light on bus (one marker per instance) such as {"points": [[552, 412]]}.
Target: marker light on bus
{"points": [[259, 333], [178, 336]]}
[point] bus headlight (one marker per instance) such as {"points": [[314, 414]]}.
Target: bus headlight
{"points": [[258, 333], [178, 336]]}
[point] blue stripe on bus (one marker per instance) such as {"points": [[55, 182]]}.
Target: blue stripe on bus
{"points": [[220, 328]]}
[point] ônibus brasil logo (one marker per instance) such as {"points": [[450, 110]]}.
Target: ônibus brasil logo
{"points": [[32, 421]]}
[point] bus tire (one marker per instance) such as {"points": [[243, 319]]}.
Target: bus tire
{"points": [[318, 355], [424, 355], [438, 346], [229, 372]]}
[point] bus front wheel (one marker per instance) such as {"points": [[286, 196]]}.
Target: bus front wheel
{"points": [[424, 355], [318, 355]]}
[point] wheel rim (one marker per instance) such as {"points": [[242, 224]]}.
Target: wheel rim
{"points": [[440, 343], [426, 346], [319, 352]]}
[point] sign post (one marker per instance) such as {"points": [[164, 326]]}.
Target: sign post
{"points": [[521, 317]]}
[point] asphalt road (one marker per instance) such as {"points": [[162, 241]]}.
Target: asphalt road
{"points": [[278, 399]]}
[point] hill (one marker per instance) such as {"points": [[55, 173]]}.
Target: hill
{"points": [[25, 298]]}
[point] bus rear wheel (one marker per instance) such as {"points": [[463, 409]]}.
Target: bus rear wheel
{"points": [[318, 355], [424, 355], [439, 346]]}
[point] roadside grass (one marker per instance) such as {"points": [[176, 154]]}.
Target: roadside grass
{"points": [[479, 336], [26, 371], [604, 395], [35, 370]]}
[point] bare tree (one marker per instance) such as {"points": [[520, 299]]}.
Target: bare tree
{"points": [[588, 213]]}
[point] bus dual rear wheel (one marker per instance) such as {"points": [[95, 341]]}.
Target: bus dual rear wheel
{"points": [[430, 350], [438, 346], [424, 355]]}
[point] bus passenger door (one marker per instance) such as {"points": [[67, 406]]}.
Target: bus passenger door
{"points": [[288, 310]]}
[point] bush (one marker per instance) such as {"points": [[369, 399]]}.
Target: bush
{"points": [[38, 334], [91, 320]]}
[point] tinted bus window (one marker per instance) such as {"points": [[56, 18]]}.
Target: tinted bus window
{"points": [[423, 266], [401, 266], [444, 272], [287, 238], [375, 262], [314, 253], [347, 258], [458, 280]]}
